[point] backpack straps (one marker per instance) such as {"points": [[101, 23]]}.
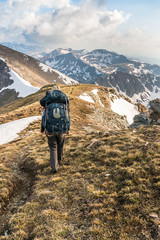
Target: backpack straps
{"points": [[45, 114]]}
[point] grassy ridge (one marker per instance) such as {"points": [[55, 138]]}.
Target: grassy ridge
{"points": [[106, 189]]}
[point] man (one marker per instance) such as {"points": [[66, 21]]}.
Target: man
{"points": [[55, 122]]}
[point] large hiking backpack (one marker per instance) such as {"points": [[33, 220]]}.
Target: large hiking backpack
{"points": [[56, 117]]}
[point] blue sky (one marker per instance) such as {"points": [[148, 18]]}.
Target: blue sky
{"points": [[129, 27]]}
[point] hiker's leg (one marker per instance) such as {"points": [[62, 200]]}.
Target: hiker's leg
{"points": [[53, 145], [61, 138]]}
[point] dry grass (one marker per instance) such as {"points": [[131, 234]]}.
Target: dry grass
{"points": [[106, 188], [106, 192]]}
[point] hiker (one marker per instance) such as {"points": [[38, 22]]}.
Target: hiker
{"points": [[55, 123]]}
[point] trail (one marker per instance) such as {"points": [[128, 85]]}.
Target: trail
{"points": [[19, 198], [24, 175]]}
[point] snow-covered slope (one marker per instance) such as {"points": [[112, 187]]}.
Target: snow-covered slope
{"points": [[12, 85], [118, 104], [21, 86], [137, 80], [67, 80], [63, 51], [102, 58], [124, 108], [74, 67], [22, 75]]}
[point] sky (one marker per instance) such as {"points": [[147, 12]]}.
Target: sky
{"points": [[129, 27]]}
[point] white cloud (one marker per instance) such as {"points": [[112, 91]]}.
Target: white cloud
{"points": [[35, 5], [137, 42], [65, 23], [59, 23]]}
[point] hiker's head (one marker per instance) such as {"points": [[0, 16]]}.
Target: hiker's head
{"points": [[55, 87]]}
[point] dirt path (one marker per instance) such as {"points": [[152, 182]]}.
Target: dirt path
{"points": [[23, 177], [20, 196]]}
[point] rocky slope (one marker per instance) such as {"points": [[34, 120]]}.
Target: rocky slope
{"points": [[21, 75], [150, 116], [137, 80]]}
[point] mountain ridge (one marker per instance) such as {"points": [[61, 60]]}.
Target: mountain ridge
{"points": [[106, 65], [137, 80]]}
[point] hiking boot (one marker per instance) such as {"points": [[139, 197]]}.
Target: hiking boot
{"points": [[53, 171]]}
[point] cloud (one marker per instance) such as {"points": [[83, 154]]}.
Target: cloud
{"points": [[136, 42], [61, 22], [35, 5]]}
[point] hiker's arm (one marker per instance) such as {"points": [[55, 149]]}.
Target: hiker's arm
{"points": [[42, 128], [68, 104], [43, 101]]}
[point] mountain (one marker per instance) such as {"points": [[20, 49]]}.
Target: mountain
{"points": [[69, 61], [137, 80], [74, 67], [63, 51], [107, 186], [33, 51], [21, 75]]}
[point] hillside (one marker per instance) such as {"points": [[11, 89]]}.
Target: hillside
{"points": [[30, 69], [107, 187], [22, 75]]}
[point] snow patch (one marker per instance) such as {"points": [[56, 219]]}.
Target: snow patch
{"points": [[123, 107], [9, 131], [147, 95], [111, 71], [95, 91], [140, 70], [86, 98], [45, 68], [67, 80], [65, 51], [2, 59], [98, 72], [23, 87]]}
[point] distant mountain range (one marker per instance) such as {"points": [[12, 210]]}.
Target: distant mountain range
{"points": [[137, 80], [33, 51]]}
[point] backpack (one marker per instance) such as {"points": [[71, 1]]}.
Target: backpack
{"points": [[55, 96], [55, 118]]}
